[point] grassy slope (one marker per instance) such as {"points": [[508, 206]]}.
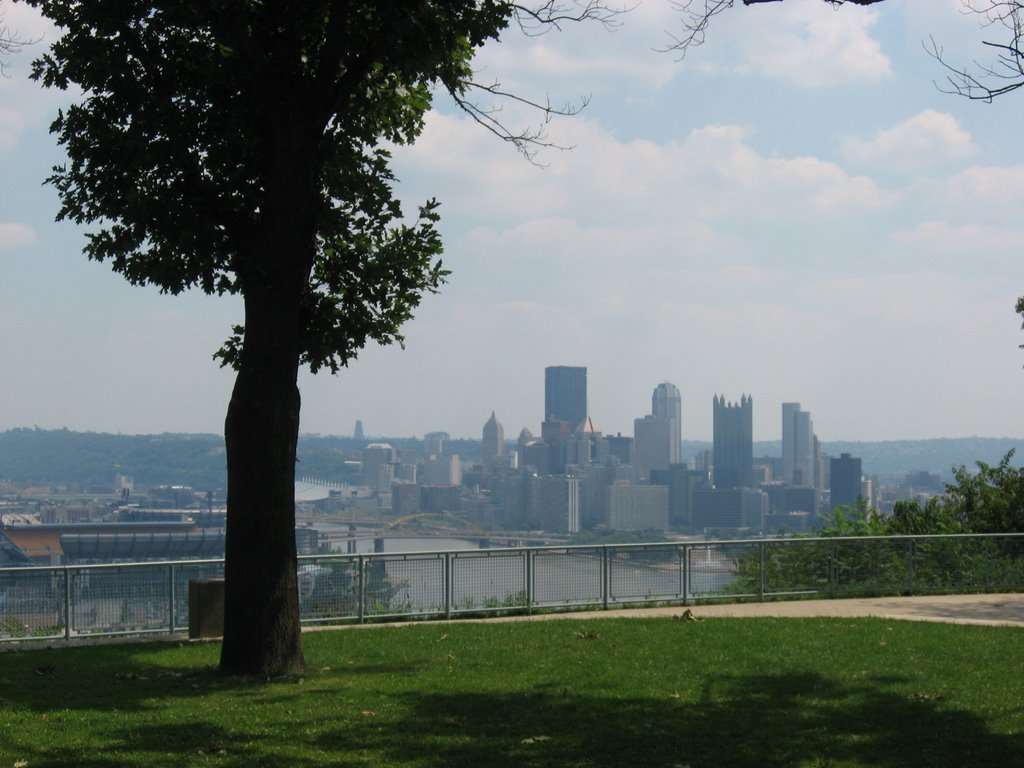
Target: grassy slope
{"points": [[651, 692]]}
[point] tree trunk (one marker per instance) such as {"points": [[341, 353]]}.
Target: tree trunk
{"points": [[262, 635]]}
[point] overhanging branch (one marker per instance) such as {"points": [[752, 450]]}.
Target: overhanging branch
{"points": [[533, 20], [541, 18], [983, 82], [11, 42], [528, 141], [697, 15]]}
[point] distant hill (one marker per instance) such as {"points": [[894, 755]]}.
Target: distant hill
{"points": [[47, 457]]}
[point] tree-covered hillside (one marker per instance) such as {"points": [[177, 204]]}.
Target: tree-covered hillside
{"points": [[37, 456]]}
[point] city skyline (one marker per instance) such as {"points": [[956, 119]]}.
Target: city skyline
{"points": [[795, 211]]}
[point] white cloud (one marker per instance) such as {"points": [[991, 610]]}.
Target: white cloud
{"points": [[809, 44], [926, 140], [585, 57], [975, 239], [547, 63], [999, 189], [893, 300], [712, 174], [12, 123], [14, 235], [956, 29], [732, 176]]}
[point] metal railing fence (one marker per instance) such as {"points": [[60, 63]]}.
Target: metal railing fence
{"points": [[152, 597]]}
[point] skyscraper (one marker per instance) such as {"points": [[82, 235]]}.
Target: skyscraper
{"points": [[555, 433], [493, 443], [586, 445], [845, 480], [565, 394], [666, 403], [378, 465], [798, 452], [733, 443], [555, 503], [652, 440]]}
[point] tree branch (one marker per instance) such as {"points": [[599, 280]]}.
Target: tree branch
{"points": [[527, 141], [697, 15], [10, 42], [983, 82], [540, 19], [534, 20]]}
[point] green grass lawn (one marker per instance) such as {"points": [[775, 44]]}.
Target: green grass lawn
{"points": [[653, 693]]}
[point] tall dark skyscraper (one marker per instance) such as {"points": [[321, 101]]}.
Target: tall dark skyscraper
{"points": [[845, 473], [565, 394], [734, 443]]}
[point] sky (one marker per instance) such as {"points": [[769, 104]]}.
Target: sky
{"points": [[795, 211]]}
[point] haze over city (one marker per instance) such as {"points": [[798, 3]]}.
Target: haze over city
{"points": [[795, 212]]}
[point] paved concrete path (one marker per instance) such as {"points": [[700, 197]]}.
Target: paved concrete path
{"points": [[1001, 609], [997, 610]]}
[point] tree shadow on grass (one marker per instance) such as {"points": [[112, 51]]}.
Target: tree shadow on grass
{"points": [[97, 704], [710, 719], [130, 677], [739, 721], [188, 745]]}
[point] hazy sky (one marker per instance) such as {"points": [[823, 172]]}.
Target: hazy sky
{"points": [[794, 212]]}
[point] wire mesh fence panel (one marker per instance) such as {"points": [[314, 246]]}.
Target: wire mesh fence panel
{"points": [[792, 567], [489, 580], [712, 569], [645, 573], [1004, 564], [31, 603], [120, 599], [405, 585], [874, 566], [949, 565], [48, 602], [564, 577], [328, 589]]}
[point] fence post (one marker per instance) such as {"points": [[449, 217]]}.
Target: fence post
{"points": [[171, 596], [67, 603], [761, 571], [833, 569], [987, 559], [361, 587], [447, 585], [911, 555], [529, 581], [605, 577], [684, 572]]}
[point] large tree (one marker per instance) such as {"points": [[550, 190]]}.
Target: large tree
{"points": [[235, 146]]}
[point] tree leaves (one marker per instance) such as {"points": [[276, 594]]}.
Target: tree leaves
{"points": [[203, 127]]}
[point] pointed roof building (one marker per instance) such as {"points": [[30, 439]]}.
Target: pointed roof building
{"points": [[588, 427], [493, 443]]}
